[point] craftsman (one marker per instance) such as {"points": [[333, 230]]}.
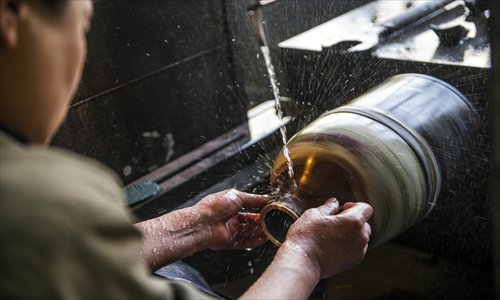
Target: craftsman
{"points": [[65, 231]]}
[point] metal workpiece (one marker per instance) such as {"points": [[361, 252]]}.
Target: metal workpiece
{"points": [[384, 148], [280, 214]]}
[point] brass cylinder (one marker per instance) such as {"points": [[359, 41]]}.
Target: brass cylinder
{"points": [[380, 149]]}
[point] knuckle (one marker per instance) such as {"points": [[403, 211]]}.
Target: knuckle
{"points": [[356, 222], [231, 193], [311, 213], [368, 209], [365, 239]]}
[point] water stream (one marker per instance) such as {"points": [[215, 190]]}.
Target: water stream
{"points": [[274, 84]]}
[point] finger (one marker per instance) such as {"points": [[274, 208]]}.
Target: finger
{"points": [[248, 221], [365, 249], [223, 204], [250, 232], [251, 200], [251, 235], [247, 232], [330, 207], [251, 218], [245, 224], [348, 205], [367, 229], [359, 210]]}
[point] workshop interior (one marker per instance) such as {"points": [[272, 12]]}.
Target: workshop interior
{"points": [[396, 99]]}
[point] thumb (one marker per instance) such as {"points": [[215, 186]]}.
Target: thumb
{"points": [[331, 206]]}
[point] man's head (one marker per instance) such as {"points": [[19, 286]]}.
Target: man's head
{"points": [[42, 53]]}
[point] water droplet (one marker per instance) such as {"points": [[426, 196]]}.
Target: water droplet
{"points": [[231, 195], [127, 170]]}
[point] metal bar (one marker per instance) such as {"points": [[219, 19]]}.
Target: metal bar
{"points": [[191, 158], [411, 16], [158, 204]]}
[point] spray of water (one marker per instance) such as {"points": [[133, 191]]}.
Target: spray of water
{"points": [[274, 84]]}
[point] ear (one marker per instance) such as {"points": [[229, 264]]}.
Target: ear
{"points": [[9, 22]]}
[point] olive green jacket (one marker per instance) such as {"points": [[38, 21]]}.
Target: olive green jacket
{"points": [[65, 232]]}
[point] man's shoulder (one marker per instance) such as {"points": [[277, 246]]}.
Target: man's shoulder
{"points": [[49, 175]]}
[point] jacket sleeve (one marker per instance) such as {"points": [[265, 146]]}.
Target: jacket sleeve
{"points": [[106, 250], [67, 234]]}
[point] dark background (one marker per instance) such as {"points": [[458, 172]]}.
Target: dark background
{"points": [[165, 76]]}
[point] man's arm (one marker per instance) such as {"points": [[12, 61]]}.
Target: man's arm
{"points": [[291, 275], [171, 237], [215, 222]]}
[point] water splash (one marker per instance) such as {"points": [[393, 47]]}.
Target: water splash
{"points": [[274, 84]]}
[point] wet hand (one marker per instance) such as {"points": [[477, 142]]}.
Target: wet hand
{"points": [[332, 242], [227, 226]]}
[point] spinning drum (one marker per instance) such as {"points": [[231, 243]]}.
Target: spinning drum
{"points": [[387, 147]]}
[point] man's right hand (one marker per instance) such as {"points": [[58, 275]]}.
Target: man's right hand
{"points": [[332, 242]]}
